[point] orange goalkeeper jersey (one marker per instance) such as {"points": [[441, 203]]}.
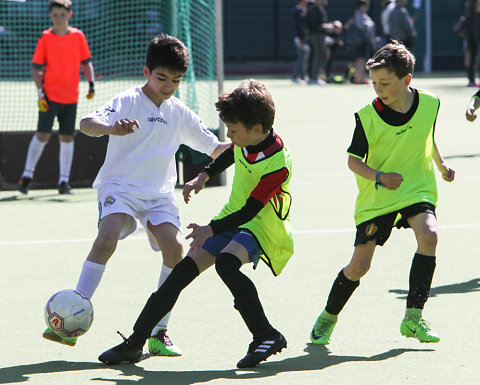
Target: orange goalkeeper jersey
{"points": [[61, 56]]}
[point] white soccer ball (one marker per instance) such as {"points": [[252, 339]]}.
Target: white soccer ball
{"points": [[69, 313]]}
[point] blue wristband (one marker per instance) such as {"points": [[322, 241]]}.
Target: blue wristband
{"points": [[377, 180]]}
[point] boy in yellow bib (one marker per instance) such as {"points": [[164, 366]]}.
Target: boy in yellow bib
{"points": [[391, 156], [253, 225]]}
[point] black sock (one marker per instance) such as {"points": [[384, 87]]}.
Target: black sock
{"points": [[245, 294], [420, 281], [340, 293], [163, 300]]}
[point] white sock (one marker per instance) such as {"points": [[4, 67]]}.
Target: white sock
{"points": [[65, 159], [90, 278], [162, 324], [35, 150]]}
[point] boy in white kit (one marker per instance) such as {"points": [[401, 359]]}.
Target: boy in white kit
{"points": [[146, 126]]}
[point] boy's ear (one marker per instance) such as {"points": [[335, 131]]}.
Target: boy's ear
{"points": [[408, 79], [258, 128], [146, 71]]}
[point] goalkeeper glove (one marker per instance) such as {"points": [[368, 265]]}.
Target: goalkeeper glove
{"points": [[91, 90], [42, 101]]}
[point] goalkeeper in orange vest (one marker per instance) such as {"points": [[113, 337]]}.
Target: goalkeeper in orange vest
{"points": [[60, 51], [391, 156]]}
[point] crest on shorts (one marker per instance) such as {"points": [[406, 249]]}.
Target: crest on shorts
{"points": [[109, 200], [371, 229]]}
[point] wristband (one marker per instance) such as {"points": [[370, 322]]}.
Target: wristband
{"points": [[41, 94], [377, 180], [91, 84]]}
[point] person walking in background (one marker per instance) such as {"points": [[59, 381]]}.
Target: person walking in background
{"points": [[302, 47], [401, 25], [361, 34], [470, 32], [60, 52], [318, 28], [387, 7]]}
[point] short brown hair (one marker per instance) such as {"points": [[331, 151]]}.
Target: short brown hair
{"points": [[166, 51], [67, 4], [250, 104], [395, 57]]}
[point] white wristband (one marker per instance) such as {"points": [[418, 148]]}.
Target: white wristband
{"points": [[41, 94]]}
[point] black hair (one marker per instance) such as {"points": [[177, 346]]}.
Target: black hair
{"points": [[166, 51]]}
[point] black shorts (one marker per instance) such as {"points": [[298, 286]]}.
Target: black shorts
{"points": [[66, 115], [380, 228]]}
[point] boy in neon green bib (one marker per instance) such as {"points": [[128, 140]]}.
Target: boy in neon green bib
{"points": [[253, 225], [391, 156]]}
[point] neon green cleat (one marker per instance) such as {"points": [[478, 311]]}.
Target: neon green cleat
{"points": [[50, 335], [160, 345], [322, 330], [418, 329]]}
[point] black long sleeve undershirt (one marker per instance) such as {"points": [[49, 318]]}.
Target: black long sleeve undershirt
{"points": [[221, 163], [245, 214], [260, 195]]}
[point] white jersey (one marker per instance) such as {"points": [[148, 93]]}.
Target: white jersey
{"points": [[143, 163]]}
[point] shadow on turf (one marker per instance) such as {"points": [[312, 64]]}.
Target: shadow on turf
{"points": [[317, 358], [461, 156], [455, 288], [55, 198]]}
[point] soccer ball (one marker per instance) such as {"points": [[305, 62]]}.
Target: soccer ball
{"points": [[69, 313]]}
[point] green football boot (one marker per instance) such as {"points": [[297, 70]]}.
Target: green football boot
{"points": [[50, 335], [323, 328], [419, 329], [160, 345]]}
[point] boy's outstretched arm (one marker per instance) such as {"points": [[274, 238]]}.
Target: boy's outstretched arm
{"points": [[221, 162], [196, 184], [448, 173], [266, 188], [389, 180], [95, 127], [219, 149], [472, 107]]}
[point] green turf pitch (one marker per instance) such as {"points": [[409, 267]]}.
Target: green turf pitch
{"points": [[45, 238]]}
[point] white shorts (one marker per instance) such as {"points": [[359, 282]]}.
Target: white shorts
{"points": [[155, 211]]}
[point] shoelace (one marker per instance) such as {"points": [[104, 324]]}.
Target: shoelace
{"points": [[162, 336], [323, 326], [125, 339], [424, 324]]}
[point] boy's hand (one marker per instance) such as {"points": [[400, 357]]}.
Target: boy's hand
{"points": [[448, 173], [42, 101], [124, 127], [199, 235], [470, 114], [197, 184], [91, 90], [391, 180]]}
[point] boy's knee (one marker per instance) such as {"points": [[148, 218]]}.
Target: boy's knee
{"points": [[172, 253], [428, 238], [227, 264], [356, 270], [105, 245]]}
